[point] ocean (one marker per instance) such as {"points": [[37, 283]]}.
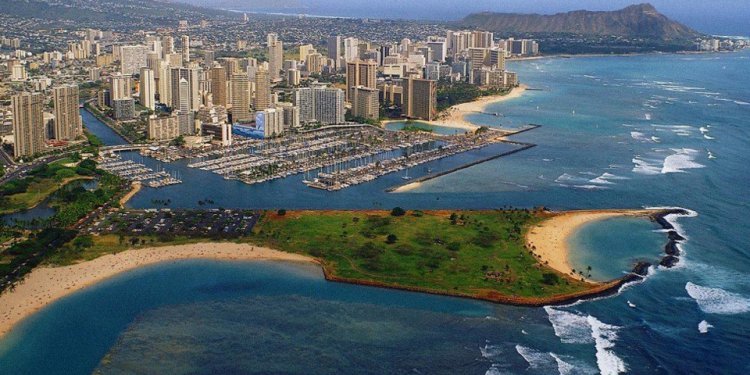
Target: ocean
{"points": [[617, 132]]}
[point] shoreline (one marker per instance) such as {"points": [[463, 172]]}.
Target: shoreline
{"points": [[135, 187], [45, 285], [454, 117], [549, 239]]}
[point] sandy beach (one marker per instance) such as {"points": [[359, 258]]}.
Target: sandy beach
{"points": [[550, 237], [453, 117], [47, 284]]}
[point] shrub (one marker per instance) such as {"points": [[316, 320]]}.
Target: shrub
{"points": [[550, 278], [391, 239], [398, 211]]}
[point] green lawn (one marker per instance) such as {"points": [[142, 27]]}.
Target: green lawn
{"points": [[37, 191], [478, 253]]}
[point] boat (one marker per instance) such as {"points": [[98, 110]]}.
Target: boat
{"points": [[406, 176]]}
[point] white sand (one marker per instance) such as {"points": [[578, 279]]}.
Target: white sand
{"points": [[453, 117], [551, 236], [47, 284]]}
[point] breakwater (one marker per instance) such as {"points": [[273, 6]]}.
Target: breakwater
{"points": [[523, 146]]}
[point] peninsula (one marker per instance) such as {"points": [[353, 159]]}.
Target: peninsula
{"points": [[514, 256]]}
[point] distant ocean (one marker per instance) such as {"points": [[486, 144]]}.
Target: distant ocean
{"points": [[638, 131]]}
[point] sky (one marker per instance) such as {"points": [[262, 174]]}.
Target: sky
{"points": [[724, 17]]}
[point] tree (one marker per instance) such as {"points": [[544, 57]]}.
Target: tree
{"points": [[179, 141], [398, 211], [550, 278], [281, 212]]}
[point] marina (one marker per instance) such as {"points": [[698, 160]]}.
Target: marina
{"points": [[137, 172], [334, 159]]}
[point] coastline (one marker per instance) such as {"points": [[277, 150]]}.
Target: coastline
{"points": [[135, 188], [549, 239], [45, 285], [454, 117]]}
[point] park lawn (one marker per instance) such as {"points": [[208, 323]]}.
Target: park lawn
{"points": [[430, 250], [37, 191]]}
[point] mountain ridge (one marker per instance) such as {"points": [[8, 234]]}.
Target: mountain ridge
{"points": [[638, 20]]}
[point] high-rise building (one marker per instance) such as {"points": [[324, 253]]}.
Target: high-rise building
{"points": [[329, 105], [293, 77], [320, 104], [366, 103], [439, 51], [262, 98], [164, 83], [163, 128], [124, 109], [420, 98], [132, 59], [148, 89], [271, 121], [291, 115], [334, 50], [304, 50], [218, 77], [497, 58], [314, 63], [275, 56], [351, 49], [482, 39], [185, 49], [193, 96], [360, 73], [28, 124], [184, 112], [240, 98], [120, 86], [167, 45], [478, 57], [67, 117]]}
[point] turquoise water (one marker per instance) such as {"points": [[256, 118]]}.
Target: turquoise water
{"points": [[612, 247], [624, 132]]}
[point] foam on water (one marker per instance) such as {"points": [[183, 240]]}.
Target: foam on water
{"points": [[604, 337], [638, 136], [717, 301], [571, 328], [491, 352], [647, 167], [703, 326], [683, 158], [536, 359], [563, 368], [606, 178]]}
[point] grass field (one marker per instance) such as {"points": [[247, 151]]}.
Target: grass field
{"points": [[62, 172], [477, 253]]}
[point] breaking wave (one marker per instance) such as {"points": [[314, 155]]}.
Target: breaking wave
{"points": [[717, 301]]}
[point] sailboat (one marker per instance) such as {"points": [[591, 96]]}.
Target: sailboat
{"points": [[406, 176]]}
